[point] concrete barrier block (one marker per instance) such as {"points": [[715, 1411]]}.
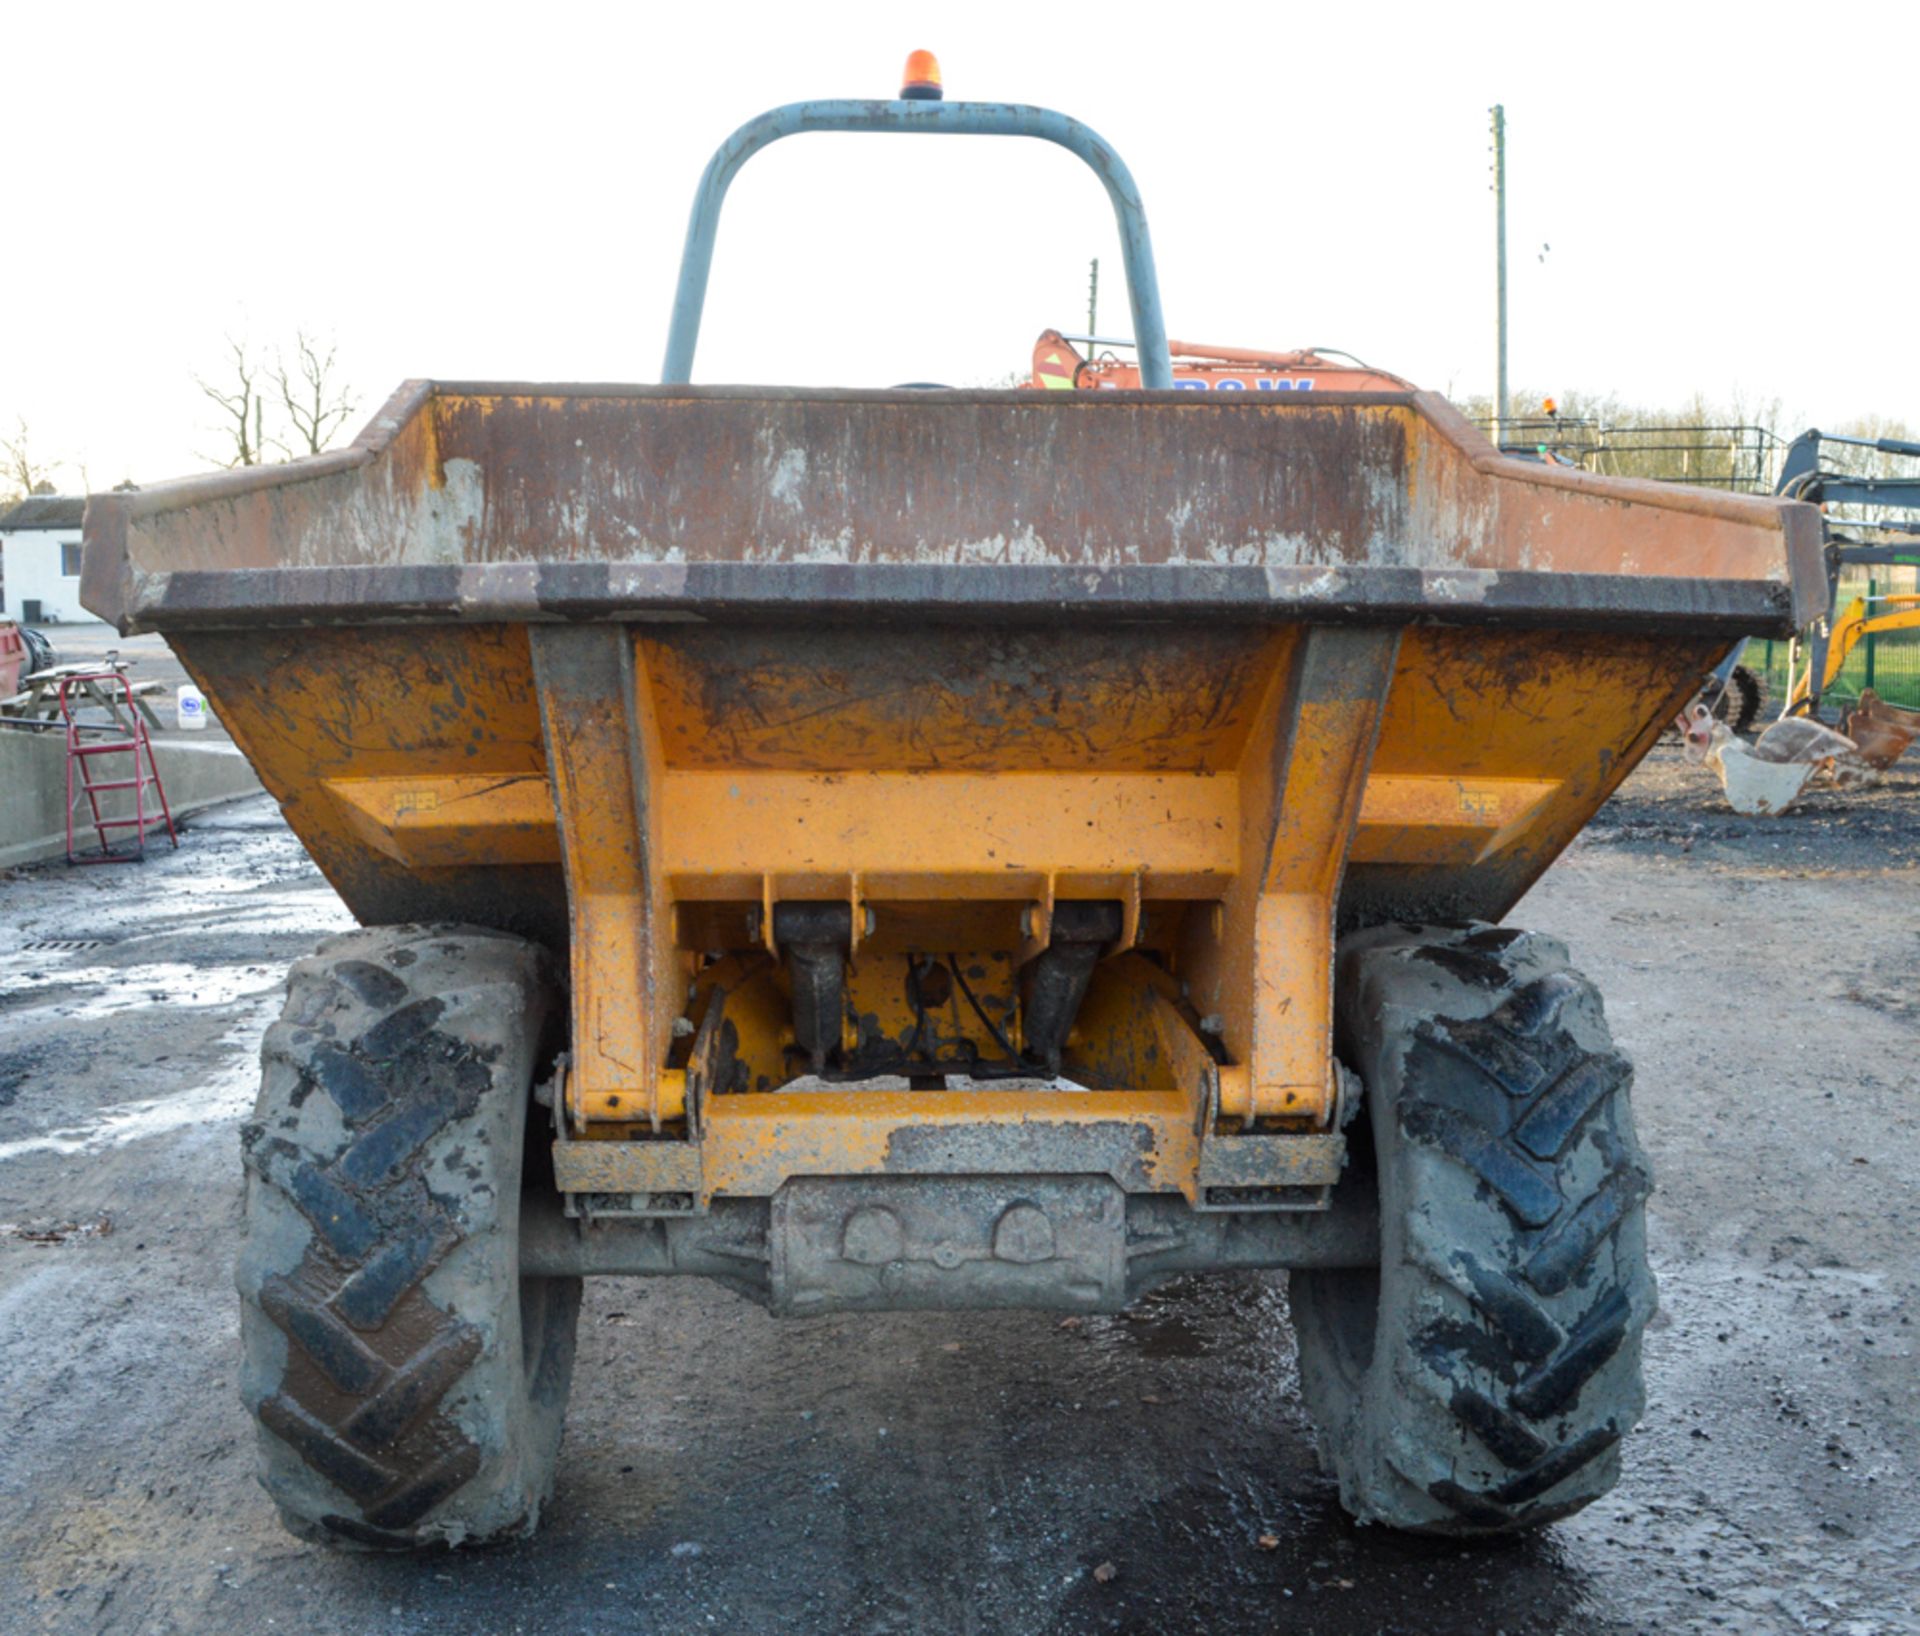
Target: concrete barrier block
{"points": [[33, 773]]}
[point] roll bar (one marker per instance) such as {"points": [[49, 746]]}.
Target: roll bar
{"points": [[919, 118]]}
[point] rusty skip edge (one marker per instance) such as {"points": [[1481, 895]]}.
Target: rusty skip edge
{"points": [[721, 591], [136, 599], [412, 397]]}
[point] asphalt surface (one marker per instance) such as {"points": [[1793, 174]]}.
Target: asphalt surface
{"points": [[982, 1473]]}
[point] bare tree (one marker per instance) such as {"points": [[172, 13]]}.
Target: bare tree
{"points": [[21, 471], [317, 405], [241, 405]]}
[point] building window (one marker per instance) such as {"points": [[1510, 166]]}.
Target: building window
{"points": [[70, 559]]}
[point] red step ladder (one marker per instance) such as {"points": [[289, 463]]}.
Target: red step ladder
{"points": [[111, 690]]}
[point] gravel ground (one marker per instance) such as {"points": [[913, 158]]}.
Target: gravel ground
{"points": [[969, 1473]]}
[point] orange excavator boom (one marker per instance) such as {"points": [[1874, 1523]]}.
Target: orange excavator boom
{"points": [[1059, 365]]}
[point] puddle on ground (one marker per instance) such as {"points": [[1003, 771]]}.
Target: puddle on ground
{"points": [[83, 993], [1175, 1321], [223, 1097]]}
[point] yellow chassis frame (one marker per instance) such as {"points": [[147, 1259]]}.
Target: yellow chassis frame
{"points": [[687, 785]]}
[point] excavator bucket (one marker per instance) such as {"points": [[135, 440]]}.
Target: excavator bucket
{"points": [[1883, 731]]}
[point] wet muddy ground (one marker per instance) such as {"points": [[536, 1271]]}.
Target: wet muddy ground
{"points": [[961, 1473]]}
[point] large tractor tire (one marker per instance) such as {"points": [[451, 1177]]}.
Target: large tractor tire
{"points": [[1480, 1380], [409, 1384]]}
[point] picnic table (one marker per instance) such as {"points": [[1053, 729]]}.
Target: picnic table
{"points": [[37, 705]]}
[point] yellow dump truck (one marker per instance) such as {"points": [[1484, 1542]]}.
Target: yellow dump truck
{"points": [[958, 849]]}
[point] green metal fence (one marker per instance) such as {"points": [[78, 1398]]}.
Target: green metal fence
{"points": [[1890, 664]]}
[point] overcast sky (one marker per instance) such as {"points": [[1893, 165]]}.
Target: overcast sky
{"points": [[495, 192]]}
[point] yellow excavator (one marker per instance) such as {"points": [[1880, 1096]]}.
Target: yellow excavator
{"points": [[1818, 656], [1818, 661]]}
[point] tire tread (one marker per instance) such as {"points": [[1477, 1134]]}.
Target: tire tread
{"points": [[372, 1361], [1511, 1313]]}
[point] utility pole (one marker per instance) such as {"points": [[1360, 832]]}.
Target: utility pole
{"points": [[1093, 298], [1500, 235]]}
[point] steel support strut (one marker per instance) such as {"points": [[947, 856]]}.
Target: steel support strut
{"points": [[604, 759], [1264, 967]]}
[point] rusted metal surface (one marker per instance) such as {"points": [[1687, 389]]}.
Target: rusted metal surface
{"points": [[532, 503]]}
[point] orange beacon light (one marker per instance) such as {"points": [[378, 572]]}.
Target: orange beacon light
{"points": [[921, 82]]}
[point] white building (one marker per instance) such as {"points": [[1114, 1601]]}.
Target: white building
{"points": [[40, 560]]}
